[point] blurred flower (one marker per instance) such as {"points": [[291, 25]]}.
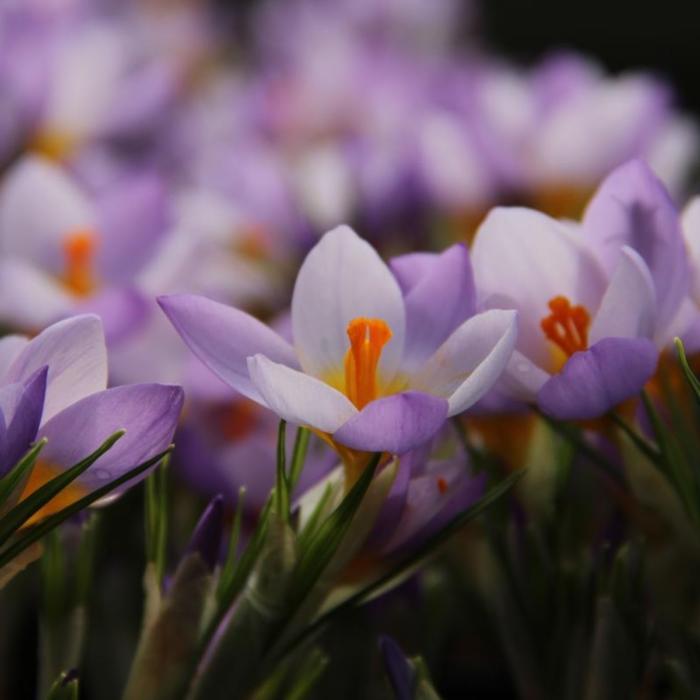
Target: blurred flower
{"points": [[373, 368]]}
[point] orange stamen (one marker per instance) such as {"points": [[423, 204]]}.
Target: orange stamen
{"points": [[442, 485], [79, 250], [368, 336], [566, 326]]}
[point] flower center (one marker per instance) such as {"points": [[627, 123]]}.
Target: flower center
{"points": [[566, 326], [79, 251], [368, 336]]}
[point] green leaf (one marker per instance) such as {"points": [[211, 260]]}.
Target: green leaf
{"points": [[65, 688], [16, 476], [229, 591], [44, 527], [156, 517], [229, 568], [324, 542], [312, 668], [411, 560], [689, 374], [301, 447], [37, 500], [282, 486]]}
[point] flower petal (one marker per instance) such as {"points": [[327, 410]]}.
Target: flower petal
{"points": [[133, 217], [439, 296], [394, 424], [629, 303], [29, 298], [632, 207], [10, 348], [470, 361], [299, 398], [224, 338], [35, 233], [342, 278], [522, 259], [598, 379], [75, 353], [148, 413], [21, 407]]}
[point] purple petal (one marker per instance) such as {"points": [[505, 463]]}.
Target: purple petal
{"points": [[224, 338], [394, 424], [401, 674], [21, 421], [122, 310], [148, 413], [206, 538], [632, 207], [596, 380], [439, 295]]}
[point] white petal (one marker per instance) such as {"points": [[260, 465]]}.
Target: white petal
{"points": [[528, 258], [629, 304], [75, 353], [39, 205], [29, 298], [522, 378], [299, 398], [470, 361], [342, 278]]}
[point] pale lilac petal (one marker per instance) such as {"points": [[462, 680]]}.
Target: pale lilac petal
{"points": [[691, 232], [434, 496], [596, 380], [75, 352], [628, 308], [522, 259], [148, 412], [224, 338], [39, 206], [394, 424], [10, 348], [29, 298], [441, 296], [299, 398], [123, 311], [633, 208], [522, 378], [133, 217], [470, 361], [342, 278]]}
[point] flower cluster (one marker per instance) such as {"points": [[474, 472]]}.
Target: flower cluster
{"points": [[506, 274]]}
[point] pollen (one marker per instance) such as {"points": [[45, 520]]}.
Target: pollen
{"points": [[566, 326], [79, 251], [367, 336]]}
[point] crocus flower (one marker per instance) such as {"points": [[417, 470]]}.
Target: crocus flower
{"points": [[74, 252], [377, 364], [592, 299], [53, 387]]}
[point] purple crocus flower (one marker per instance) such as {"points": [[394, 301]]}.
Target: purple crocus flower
{"points": [[595, 301], [74, 252], [53, 387], [377, 364]]}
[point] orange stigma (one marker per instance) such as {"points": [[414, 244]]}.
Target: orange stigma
{"points": [[566, 326], [442, 485], [368, 336], [79, 250]]}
